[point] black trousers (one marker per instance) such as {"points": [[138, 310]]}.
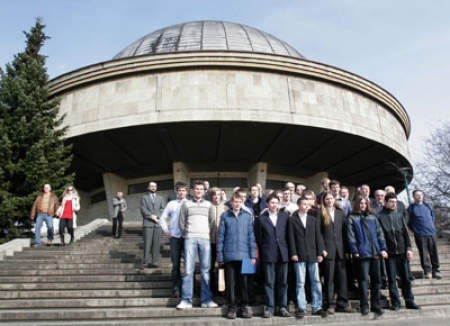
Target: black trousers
{"points": [[117, 223], [429, 258], [63, 224], [335, 281], [398, 265], [370, 267], [236, 285]]}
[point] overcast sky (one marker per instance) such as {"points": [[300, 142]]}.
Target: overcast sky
{"points": [[402, 45]]}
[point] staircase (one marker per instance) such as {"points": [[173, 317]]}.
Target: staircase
{"points": [[97, 281]]}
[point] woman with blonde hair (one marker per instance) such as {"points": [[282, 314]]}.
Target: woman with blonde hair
{"points": [[334, 232], [67, 212]]}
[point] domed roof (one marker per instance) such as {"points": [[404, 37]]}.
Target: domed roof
{"points": [[208, 36]]}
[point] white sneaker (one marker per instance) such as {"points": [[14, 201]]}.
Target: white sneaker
{"points": [[210, 304], [184, 305]]}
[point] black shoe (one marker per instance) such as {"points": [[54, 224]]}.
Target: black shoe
{"points": [[395, 307], [437, 275], [245, 313], [299, 314], [231, 314], [347, 309], [365, 311], [377, 311], [412, 305], [320, 312], [153, 266], [176, 294]]}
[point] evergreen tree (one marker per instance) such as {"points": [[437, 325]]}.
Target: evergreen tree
{"points": [[32, 147]]}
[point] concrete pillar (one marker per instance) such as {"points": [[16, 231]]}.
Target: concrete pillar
{"points": [[313, 182], [113, 183], [180, 172], [258, 174]]}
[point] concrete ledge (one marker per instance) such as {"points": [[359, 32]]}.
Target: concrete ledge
{"points": [[9, 248]]}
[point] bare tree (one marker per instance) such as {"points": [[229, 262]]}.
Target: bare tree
{"points": [[433, 172]]}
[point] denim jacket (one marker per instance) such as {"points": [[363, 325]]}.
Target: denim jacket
{"points": [[236, 238], [365, 235]]}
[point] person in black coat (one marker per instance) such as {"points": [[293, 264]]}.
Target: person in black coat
{"points": [[306, 249], [271, 237], [398, 244], [334, 231]]}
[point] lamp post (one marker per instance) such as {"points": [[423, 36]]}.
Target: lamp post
{"points": [[404, 172]]}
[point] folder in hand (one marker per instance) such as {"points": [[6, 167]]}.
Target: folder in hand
{"points": [[248, 267]]}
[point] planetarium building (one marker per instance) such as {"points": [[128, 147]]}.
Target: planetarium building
{"points": [[228, 103]]}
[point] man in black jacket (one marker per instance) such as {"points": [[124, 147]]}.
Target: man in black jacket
{"points": [[306, 249], [393, 223]]}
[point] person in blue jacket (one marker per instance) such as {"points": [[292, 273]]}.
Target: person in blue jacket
{"points": [[421, 221], [235, 242], [367, 244]]}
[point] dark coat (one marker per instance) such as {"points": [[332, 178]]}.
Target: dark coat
{"points": [[272, 240], [395, 232], [335, 235], [306, 243]]}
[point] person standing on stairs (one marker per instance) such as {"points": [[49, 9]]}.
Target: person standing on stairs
{"points": [[170, 225], [43, 210], [398, 244], [120, 206], [421, 222], [67, 213], [196, 223], [152, 206]]}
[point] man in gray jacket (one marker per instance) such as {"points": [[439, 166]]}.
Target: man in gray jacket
{"points": [[152, 206]]}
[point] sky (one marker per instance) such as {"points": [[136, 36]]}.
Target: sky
{"points": [[401, 45]]}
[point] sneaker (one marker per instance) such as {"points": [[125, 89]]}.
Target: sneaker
{"points": [[299, 314], [331, 311], [231, 314], [184, 305], [49, 243], [284, 312], [437, 275], [267, 314], [209, 304], [245, 313], [428, 276], [36, 245]]}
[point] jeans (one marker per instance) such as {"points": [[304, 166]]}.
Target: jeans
{"points": [[43, 217], [429, 258], [316, 286], [192, 246], [398, 264], [176, 248], [275, 280], [237, 285], [370, 266]]}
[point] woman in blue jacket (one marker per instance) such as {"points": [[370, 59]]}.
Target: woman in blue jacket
{"points": [[366, 241], [235, 242]]}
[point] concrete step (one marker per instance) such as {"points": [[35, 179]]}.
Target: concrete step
{"points": [[86, 285], [135, 277], [84, 293]]}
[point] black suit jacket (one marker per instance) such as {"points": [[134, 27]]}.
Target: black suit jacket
{"points": [[334, 235], [306, 243], [272, 240]]}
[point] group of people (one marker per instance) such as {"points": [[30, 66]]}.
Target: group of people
{"points": [[292, 235], [46, 206]]}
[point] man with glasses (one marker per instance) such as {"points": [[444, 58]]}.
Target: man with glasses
{"points": [[399, 252]]}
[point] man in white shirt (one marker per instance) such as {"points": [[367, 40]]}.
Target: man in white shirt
{"points": [[170, 225]]}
